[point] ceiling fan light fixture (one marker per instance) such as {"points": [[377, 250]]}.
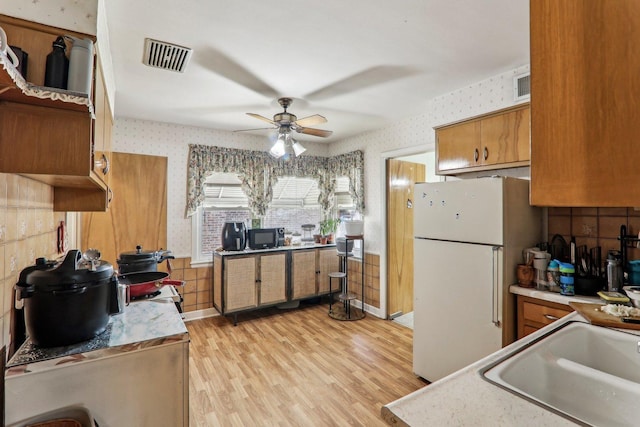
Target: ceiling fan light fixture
{"points": [[298, 149], [278, 150]]}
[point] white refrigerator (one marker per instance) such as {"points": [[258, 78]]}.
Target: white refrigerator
{"points": [[469, 237]]}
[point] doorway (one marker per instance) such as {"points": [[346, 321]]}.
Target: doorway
{"points": [[401, 175]]}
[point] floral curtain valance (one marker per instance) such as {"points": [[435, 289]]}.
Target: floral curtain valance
{"points": [[258, 172]]}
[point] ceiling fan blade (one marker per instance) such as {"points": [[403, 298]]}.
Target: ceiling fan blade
{"points": [[219, 63], [263, 118], [316, 119], [315, 132], [246, 130], [366, 78]]}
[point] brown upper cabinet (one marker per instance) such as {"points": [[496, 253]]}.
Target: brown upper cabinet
{"points": [[585, 109], [492, 141], [54, 139]]}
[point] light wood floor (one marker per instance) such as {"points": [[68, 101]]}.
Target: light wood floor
{"points": [[297, 368]]}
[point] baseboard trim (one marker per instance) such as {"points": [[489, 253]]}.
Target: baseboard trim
{"points": [[212, 312], [200, 314]]}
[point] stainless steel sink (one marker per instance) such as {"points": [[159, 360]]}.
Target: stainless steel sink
{"points": [[587, 373]]}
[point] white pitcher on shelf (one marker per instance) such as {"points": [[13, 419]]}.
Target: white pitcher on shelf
{"points": [[4, 48]]}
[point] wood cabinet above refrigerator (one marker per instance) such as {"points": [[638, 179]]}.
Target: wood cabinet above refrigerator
{"points": [[49, 134], [496, 140], [585, 59]]}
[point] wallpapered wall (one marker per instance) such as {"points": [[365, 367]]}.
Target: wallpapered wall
{"points": [[479, 98], [171, 140]]}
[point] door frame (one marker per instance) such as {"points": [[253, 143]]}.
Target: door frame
{"points": [[400, 152]]}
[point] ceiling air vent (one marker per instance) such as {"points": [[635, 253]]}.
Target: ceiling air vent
{"points": [[165, 55], [522, 87]]}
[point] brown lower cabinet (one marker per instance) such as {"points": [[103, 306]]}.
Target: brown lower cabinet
{"points": [[534, 313], [243, 282]]}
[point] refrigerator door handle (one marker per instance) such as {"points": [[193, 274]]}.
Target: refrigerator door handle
{"points": [[495, 300]]}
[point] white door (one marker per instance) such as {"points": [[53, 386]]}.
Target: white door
{"points": [[457, 305]]}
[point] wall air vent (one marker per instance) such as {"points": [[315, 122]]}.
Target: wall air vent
{"points": [[165, 55], [522, 87]]}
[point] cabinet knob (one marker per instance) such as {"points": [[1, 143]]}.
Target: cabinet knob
{"points": [[486, 153], [476, 155], [551, 317], [110, 195], [104, 164]]}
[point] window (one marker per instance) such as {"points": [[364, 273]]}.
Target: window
{"points": [[295, 202]]}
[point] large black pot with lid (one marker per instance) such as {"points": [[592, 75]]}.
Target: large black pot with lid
{"points": [[69, 301], [142, 260]]}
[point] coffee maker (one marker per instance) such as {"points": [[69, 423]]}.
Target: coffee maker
{"points": [[234, 236]]}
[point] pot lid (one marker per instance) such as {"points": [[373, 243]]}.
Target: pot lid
{"points": [[138, 255], [69, 273]]}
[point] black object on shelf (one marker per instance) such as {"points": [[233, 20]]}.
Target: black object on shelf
{"points": [[23, 60], [625, 240], [57, 69]]}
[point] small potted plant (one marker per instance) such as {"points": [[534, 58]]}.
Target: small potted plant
{"points": [[328, 227]]}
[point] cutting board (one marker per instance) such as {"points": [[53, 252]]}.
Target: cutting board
{"points": [[592, 313]]}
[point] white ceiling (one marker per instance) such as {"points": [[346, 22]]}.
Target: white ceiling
{"points": [[360, 63]]}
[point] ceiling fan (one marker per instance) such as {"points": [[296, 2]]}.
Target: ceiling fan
{"points": [[285, 122]]}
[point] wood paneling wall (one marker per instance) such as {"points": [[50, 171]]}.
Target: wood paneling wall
{"points": [[138, 212]]}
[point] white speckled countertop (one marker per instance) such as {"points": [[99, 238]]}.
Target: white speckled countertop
{"points": [[144, 323], [465, 398], [551, 296]]}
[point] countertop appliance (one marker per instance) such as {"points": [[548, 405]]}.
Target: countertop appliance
{"points": [[263, 238], [469, 237], [234, 236]]}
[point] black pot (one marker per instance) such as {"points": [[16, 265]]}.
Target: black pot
{"points": [[67, 302], [141, 260]]}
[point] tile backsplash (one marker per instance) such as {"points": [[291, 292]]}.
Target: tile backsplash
{"points": [[28, 230], [595, 227]]}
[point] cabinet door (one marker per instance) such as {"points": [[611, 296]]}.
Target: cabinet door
{"points": [[66, 150], [138, 215], [585, 58], [328, 262], [303, 274], [240, 290], [457, 146], [505, 138], [534, 314], [273, 278], [101, 126]]}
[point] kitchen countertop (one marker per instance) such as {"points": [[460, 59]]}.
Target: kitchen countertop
{"points": [[551, 296], [276, 249], [143, 324], [466, 398]]}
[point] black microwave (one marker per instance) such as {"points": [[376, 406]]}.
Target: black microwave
{"points": [[263, 238]]}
